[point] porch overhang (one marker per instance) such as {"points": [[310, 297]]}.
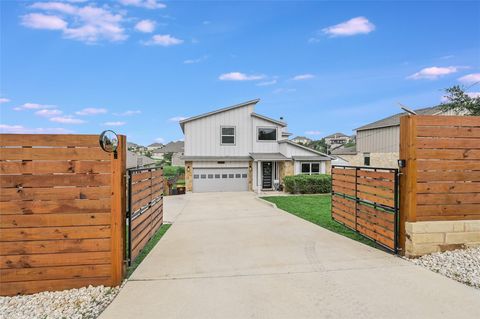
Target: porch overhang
{"points": [[269, 157], [311, 158], [217, 158]]}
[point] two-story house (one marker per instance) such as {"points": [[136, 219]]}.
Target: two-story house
{"points": [[236, 149]]}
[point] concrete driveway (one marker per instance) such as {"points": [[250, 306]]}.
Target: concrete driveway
{"points": [[228, 255]]}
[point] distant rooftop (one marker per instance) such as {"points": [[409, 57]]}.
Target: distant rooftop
{"points": [[336, 135], [350, 150]]}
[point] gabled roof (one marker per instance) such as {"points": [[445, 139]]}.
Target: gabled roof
{"points": [[336, 135], [350, 150], [301, 138], [172, 147], [228, 108], [266, 118], [394, 120], [304, 147]]}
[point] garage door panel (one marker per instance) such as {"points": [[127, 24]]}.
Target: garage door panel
{"points": [[220, 180]]}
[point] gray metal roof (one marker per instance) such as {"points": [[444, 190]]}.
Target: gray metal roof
{"points": [[228, 108], [312, 158], [172, 147], [266, 118], [301, 138], [269, 156], [216, 158], [351, 150], [304, 147], [336, 135], [394, 120]]}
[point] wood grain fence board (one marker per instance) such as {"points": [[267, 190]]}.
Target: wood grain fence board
{"points": [[376, 175], [441, 199], [343, 171], [55, 193], [463, 121], [55, 207], [53, 154], [448, 187], [454, 154], [49, 140], [428, 131], [54, 167], [448, 143], [448, 165], [342, 190], [54, 220], [380, 191], [52, 260], [449, 210], [377, 182], [17, 181], [54, 246], [22, 234], [445, 176], [61, 272]]}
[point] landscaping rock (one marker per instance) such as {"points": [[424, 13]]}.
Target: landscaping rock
{"points": [[462, 265], [87, 302]]}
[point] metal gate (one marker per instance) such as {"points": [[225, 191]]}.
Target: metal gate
{"points": [[365, 199], [144, 207]]}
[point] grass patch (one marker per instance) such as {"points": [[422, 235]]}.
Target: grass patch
{"points": [[317, 209], [148, 247]]}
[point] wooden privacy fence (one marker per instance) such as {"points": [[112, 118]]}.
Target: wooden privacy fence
{"points": [[62, 213], [365, 200], [145, 207], [441, 179]]}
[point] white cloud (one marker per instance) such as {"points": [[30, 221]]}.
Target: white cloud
{"points": [[470, 78], [177, 118], [473, 94], [160, 140], [358, 25], [284, 90], [67, 119], [301, 77], [164, 40], [48, 112], [4, 100], [91, 111], [88, 23], [238, 76], [266, 83], [145, 26], [313, 132], [433, 72], [147, 4], [42, 21], [19, 129], [33, 106], [118, 123], [193, 61], [128, 113]]}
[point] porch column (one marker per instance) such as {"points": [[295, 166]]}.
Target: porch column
{"points": [[259, 176]]}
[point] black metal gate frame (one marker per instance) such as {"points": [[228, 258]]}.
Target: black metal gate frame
{"points": [[133, 215], [394, 210]]}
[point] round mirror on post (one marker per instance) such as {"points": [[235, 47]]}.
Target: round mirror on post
{"points": [[108, 141]]}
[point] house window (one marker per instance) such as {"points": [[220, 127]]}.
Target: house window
{"points": [[366, 159], [310, 168], [267, 134], [227, 135]]}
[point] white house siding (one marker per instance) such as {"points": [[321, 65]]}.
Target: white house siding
{"points": [[379, 140], [264, 146], [202, 136]]}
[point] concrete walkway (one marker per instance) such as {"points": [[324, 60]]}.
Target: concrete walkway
{"points": [[229, 255]]}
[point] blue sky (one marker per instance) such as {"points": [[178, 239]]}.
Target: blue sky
{"points": [[137, 66]]}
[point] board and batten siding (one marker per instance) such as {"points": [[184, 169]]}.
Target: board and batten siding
{"points": [[202, 136], [379, 140]]}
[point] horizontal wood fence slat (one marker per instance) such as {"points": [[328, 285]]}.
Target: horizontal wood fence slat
{"points": [[61, 217], [441, 180]]}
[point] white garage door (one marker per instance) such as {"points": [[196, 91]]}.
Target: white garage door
{"points": [[220, 180]]}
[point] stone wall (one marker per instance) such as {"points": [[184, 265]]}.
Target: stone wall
{"points": [[286, 168], [188, 176], [250, 175], [436, 236], [387, 160]]}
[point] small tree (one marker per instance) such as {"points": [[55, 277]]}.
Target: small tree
{"points": [[459, 101]]}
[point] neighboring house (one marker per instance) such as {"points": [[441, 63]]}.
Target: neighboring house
{"points": [[154, 146], [176, 148], [348, 153], [378, 143], [134, 160], [236, 149], [301, 140], [336, 139]]}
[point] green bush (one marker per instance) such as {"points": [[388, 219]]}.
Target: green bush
{"points": [[308, 184], [170, 171]]}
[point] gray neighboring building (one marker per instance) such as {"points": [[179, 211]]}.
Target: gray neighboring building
{"points": [[336, 139], [135, 160], [378, 143], [177, 150]]}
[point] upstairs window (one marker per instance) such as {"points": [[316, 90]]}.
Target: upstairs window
{"points": [[267, 134], [227, 135]]}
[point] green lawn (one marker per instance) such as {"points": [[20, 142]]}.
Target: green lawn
{"points": [[316, 209], [148, 247]]}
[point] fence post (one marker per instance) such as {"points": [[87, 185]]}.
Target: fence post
{"points": [[117, 213], [356, 195], [408, 175]]}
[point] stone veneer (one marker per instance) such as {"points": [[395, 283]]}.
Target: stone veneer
{"points": [[250, 175], [387, 160], [188, 176], [436, 236], [285, 168]]}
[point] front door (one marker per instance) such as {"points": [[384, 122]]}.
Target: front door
{"points": [[267, 168]]}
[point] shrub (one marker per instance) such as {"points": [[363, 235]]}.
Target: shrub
{"points": [[308, 184], [173, 170]]}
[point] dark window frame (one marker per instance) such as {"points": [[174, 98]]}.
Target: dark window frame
{"points": [[267, 127]]}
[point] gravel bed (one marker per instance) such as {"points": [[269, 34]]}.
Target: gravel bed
{"points": [[462, 265], [87, 302]]}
